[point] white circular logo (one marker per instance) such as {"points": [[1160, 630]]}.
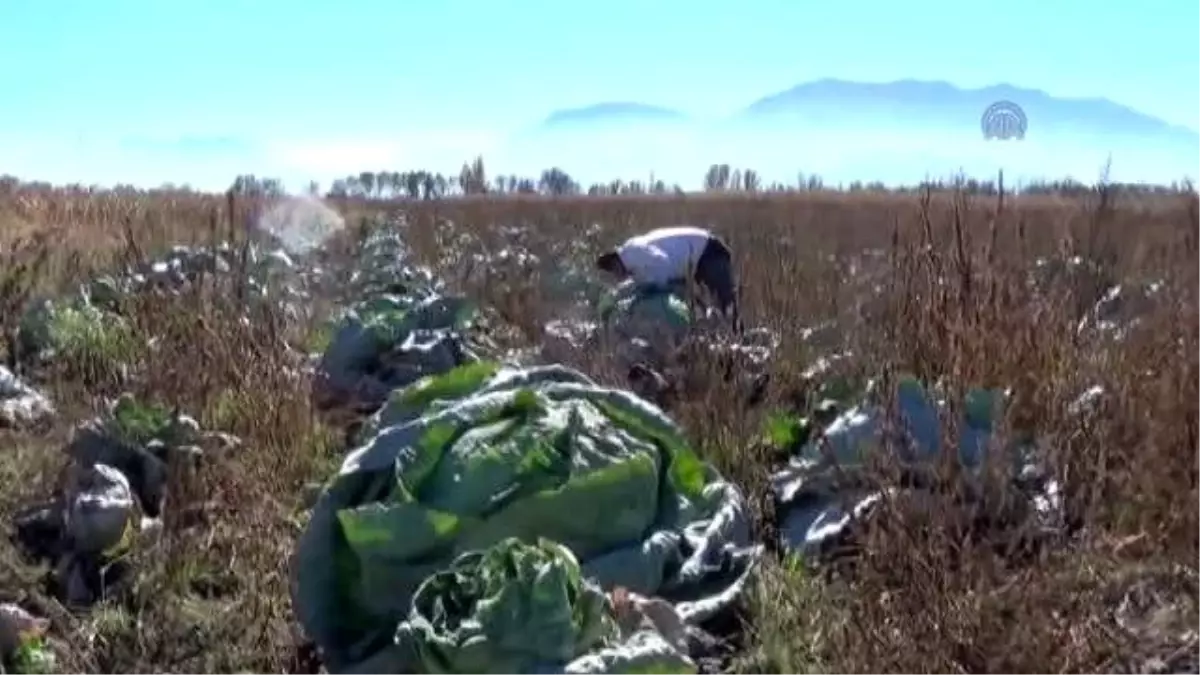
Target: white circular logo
{"points": [[1004, 120]]}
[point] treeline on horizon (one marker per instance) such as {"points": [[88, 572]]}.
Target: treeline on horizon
{"points": [[473, 180]]}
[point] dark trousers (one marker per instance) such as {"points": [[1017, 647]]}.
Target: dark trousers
{"points": [[714, 271]]}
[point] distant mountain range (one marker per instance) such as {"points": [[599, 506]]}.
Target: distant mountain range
{"points": [[908, 104]]}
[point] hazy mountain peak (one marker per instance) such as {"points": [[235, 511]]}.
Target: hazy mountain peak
{"points": [[613, 112], [936, 103]]}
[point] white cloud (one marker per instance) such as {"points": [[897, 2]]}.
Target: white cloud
{"points": [[213, 162], [329, 158]]}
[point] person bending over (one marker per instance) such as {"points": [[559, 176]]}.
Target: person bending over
{"points": [[668, 255]]}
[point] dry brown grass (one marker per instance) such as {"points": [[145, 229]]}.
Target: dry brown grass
{"points": [[211, 594]]}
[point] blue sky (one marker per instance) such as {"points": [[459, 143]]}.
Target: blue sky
{"points": [[189, 90]]}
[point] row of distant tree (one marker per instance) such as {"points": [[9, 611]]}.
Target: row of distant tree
{"points": [[473, 180]]}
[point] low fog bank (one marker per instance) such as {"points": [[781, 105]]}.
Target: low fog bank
{"points": [[840, 156], [675, 154]]}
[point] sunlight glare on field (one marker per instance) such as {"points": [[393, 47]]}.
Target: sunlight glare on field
{"points": [[301, 223]]}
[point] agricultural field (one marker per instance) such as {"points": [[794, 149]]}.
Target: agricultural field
{"points": [[177, 494]]}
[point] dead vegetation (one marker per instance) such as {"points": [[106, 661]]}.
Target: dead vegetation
{"points": [[1119, 592]]}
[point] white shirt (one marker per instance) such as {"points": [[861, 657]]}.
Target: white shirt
{"points": [[663, 255]]}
